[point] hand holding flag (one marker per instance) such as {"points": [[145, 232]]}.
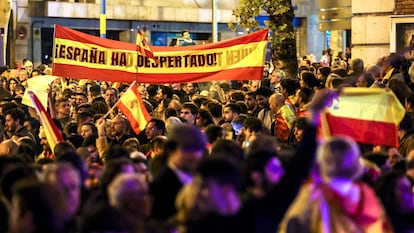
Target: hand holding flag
{"points": [[132, 106]]}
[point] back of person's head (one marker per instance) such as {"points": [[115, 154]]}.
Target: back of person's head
{"points": [[290, 85], [339, 157], [76, 161], [258, 161], [221, 171], [127, 193], [228, 149], [186, 137], [113, 168], [115, 152], [357, 65], [264, 91], [406, 123], [213, 132], [44, 202], [104, 219], [387, 187], [215, 109], [168, 91], [14, 175], [62, 148], [172, 122], [253, 124], [152, 90]]}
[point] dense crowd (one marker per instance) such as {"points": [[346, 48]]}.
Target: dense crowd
{"points": [[239, 156]]}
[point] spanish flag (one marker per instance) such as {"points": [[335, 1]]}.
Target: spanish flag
{"points": [[368, 115], [132, 106], [143, 47], [53, 134]]}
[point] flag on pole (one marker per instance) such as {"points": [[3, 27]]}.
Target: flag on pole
{"points": [[132, 106], [368, 115], [52, 133], [143, 47]]}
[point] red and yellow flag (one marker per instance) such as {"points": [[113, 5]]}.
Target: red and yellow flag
{"points": [[132, 106], [79, 55], [53, 134], [143, 47], [368, 115]]}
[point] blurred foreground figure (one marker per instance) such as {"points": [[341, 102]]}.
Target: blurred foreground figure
{"points": [[337, 202]]}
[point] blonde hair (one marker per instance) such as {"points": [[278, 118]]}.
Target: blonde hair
{"points": [[339, 158]]}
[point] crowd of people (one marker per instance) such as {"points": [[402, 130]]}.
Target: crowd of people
{"points": [[239, 156]]}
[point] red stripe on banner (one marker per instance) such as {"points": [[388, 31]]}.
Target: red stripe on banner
{"points": [[70, 34], [122, 76], [364, 131]]}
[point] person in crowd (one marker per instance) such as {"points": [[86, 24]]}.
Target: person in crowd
{"points": [[14, 128], [216, 110], [335, 199], [184, 148], [187, 41], [189, 112], [63, 111], [276, 78], [154, 128], [284, 117], [210, 203], [262, 99], [204, 119], [129, 194], [68, 180], [395, 192], [365, 80], [37, 208], [303, 98]]}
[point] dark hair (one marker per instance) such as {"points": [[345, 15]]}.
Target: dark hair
{"points": [[213, 132], [103, 218], [76, 161], [256, 162], [228, 149], [112, 169], [221, 171], [184, 31], [17, 114], [215, 108], [233, 107], [90, 140], [14, 175], [116, 152], [243, 106], [306, 94], [290, 85], [193, 108], [385, 187], [62, 148], [45, 202], [253, 123], [60, 100], [264, 91], [160, 124], [167, 90], [205, 117]]}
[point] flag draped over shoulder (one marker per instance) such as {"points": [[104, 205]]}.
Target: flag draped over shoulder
{"points": [[143, 47], [82, 56], [132, 106], [52, 133], [368, 115]]}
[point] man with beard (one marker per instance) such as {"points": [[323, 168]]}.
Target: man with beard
{"points": [[154, 128], [14, 128], [262, 99], [250, 100]]}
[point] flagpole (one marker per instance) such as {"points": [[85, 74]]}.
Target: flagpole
{"points": [[136, 50]]}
